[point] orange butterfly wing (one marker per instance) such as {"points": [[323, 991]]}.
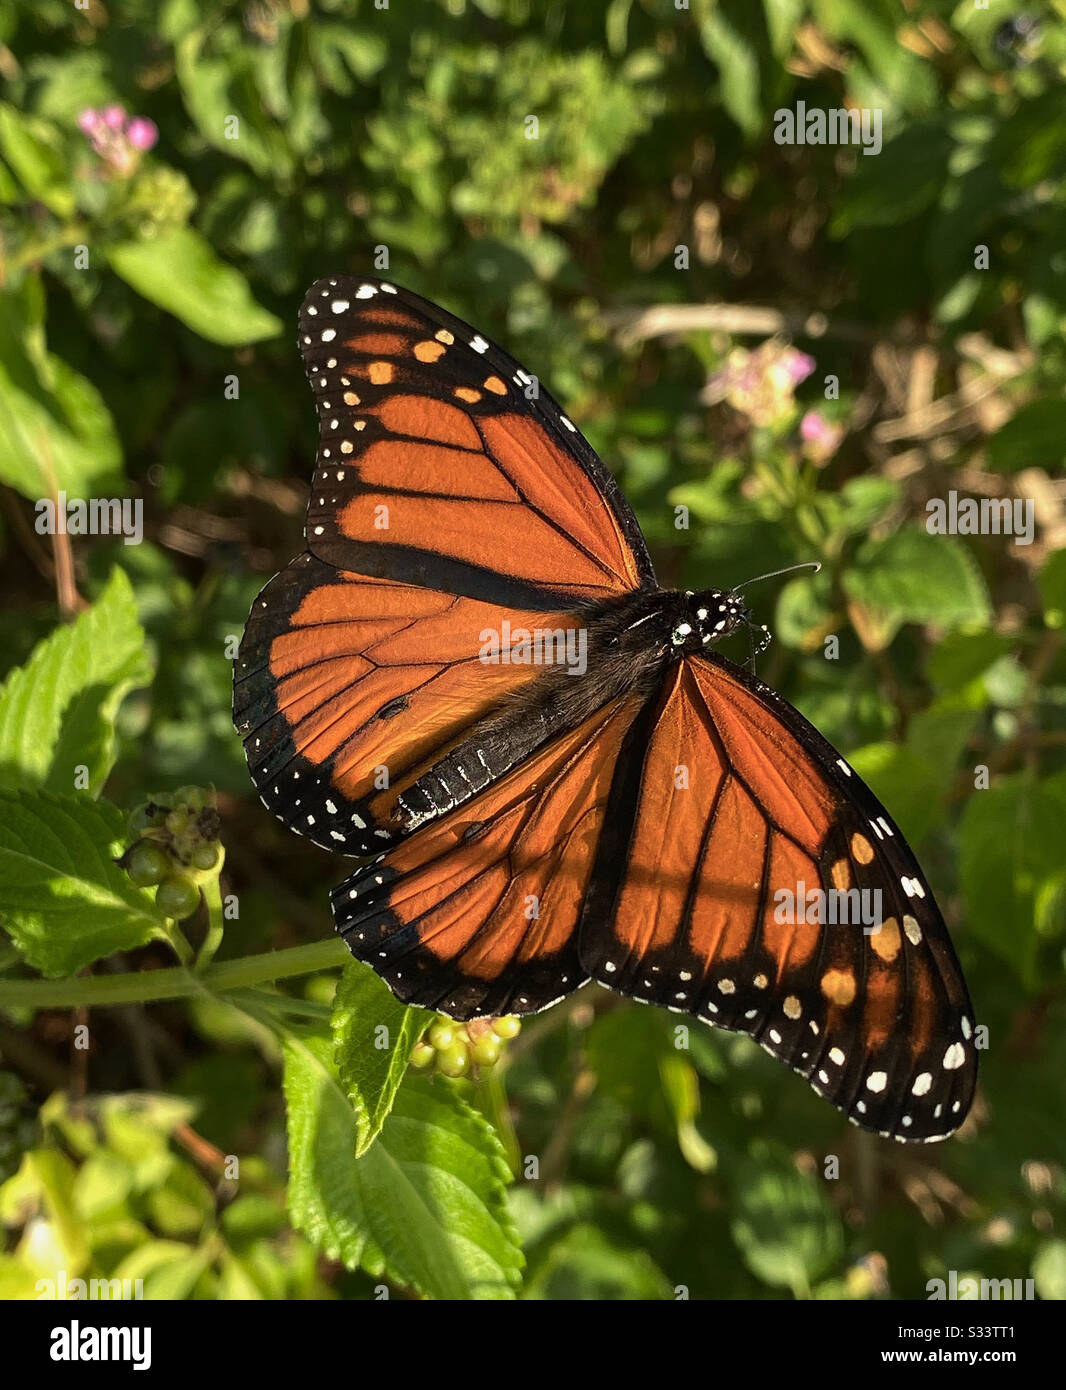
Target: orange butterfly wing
{"points": [[714, 916], [640, 840], [477, 914], [451, 499], [443, 463]]}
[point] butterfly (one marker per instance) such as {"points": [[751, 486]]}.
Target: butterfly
{"points": [[472, 679]]}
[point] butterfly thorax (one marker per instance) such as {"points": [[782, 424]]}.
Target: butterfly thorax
{"points": [[657, 627], [628, 646]]}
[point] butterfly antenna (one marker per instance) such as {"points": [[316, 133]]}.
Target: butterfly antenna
{"points": [[815, 565]]}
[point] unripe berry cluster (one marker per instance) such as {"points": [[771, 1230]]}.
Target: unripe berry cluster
{"points": [[454, 1049], [176, 847]]}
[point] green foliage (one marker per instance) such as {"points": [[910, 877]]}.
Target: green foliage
{"points": [[112, 1200], [65, 902], [55, 432], [373, 1034], [180, 273], [424, 1207], [540, 174], [57, 713]]}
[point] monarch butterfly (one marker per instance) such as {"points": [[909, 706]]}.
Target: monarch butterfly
{"points": [[472, 675]]}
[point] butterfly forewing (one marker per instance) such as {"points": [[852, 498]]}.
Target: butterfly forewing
{"points": [[451, 501], [442, 463], [347, 689]]}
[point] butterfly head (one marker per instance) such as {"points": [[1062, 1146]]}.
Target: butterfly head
{"points": [[706, 617]]}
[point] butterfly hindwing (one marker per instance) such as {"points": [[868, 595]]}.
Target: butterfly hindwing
{"points": [[759, 810], [477, 914]]}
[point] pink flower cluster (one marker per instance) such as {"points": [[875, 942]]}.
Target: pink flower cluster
{"points": [[118, 139], [821, 438], [760, 383]]}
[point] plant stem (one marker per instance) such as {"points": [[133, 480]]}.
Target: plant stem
{"points": [[173, 935], [216, 924], [99, 991]]}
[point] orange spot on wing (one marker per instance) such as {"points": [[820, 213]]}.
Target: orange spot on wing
{"points": [[428, 351], [381, 373], [495, 385], [886, 942], [466, 393], [838, 986], [861, 848]]}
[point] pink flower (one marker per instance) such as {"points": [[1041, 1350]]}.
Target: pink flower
{"points": [[761, 383], [118, 139], [798, 365], [821, 437], [814, 428], [142, 133]]}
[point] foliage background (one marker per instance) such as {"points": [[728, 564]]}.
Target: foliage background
{"points": [[404, 128]]}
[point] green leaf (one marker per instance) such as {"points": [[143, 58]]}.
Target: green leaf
{"points": [[57, 712], [220, 76], [783, 18], [916, 577], [342, 58], [424, 1206], [63, 900], [55, 430], [1033, 438], [896, 75], [235, 1282], [786, 1231], [584, 1264], [854, 509], [169, 1268], [899, 183], [738, 70], [373, 1034], [1010, 846], [33, 150], [1030, 146], [902, 780], [625, 1049], [179, 272], [960, 657], [45, 1182], [640, 1059]]}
